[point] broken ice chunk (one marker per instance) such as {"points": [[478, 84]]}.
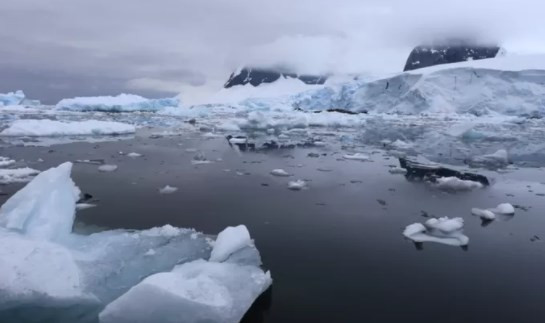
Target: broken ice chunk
{"points": [[194, 292], [229, 241], [297, 185], [442, 230], [483, 214], [504, 208], [168, 189], [357, 156], [45, 207], [107, 168], [456, 184], [199, 159], [84, 206], [17, 175], [134, 155], [279, 172]]}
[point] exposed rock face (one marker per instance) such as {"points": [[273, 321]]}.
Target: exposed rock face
{"points": [[424, 56], [257, 76]]}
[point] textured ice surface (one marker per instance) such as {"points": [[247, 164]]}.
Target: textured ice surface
{"points": [[119, 103], [219, 290], [17, 175], [48, 266], [504, 208], [45, 208], [229, 241], [441, 230], [357, 156], [57, 128], [194, 292], [12, 98]]}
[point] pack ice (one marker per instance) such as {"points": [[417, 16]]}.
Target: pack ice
{"points": [[120, 103], [48, 268]]}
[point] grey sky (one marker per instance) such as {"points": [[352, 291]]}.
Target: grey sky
{"points": [[60, 48]]}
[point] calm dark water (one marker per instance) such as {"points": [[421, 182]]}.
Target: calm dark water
{"points": [[336, 254]]}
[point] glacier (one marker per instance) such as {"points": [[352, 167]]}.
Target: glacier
{"points": [[48, 266], [120, 103]]}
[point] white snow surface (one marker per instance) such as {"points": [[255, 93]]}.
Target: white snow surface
{"points": [[17, 175], [120, 103], [44, 209], [229, 241], [46, 127], [194, 292], [440, 230]]}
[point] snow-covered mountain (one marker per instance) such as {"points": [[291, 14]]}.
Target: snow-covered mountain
{"points": [[430, 55], [258, 76]]}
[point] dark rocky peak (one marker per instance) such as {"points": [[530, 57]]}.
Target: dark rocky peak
{"points": [[257, 76], [446, 53]]}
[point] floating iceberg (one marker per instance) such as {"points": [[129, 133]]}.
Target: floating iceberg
{"points": [[59, 128], [499, 159], [52, 270], [12, 98], [483, 214], [168, 189], [119, 103], [279, 172], [297, 185], [441, 230], [229, 241]]}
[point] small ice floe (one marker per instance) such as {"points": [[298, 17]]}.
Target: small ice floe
{"points": [[297, 185], [237, 140], [5, 161], [90, 161], [441, 230], [397, 170], [483, 214], [17, 175], [168, 189], [200, 159], [357, 156], [134, 155], [107, 168], [44, 127], [319, 143], [279, 172], [456, 184], [83, 206]]}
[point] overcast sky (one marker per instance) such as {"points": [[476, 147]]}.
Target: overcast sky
{"points": [[62, 48]]}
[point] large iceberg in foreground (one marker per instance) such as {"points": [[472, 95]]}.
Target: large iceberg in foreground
{"points": [[44, 127], [198, 291], [12, 98], [61, 275], [120, 103]]}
